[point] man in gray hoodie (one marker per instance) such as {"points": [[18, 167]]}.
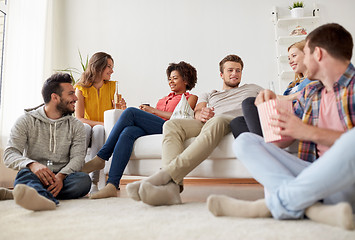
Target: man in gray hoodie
{"points": [[47, 145]]}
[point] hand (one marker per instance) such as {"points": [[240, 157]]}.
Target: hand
{"points": [[147, 108], [45, 175], [57, 186], [289, 124], [120, 105], [264, 95], [205, 114]]}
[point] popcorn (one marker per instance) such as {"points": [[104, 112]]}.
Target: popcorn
{"points": [[266, 110]]}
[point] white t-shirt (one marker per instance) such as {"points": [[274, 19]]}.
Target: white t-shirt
{"points": [[229, 102]]}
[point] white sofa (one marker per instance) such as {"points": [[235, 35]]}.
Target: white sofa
{"points": [[146, 156]]}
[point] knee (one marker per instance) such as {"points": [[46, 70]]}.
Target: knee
{"points": [[131, 133], [130, 111], [173, 129], [237, 121], [83, 184], [98, 133], [238, 126], [25, 175], [248, 102], [98, 128], [219, 120], [24, 172], [170, 126], [85, 181], [242, 142], [87, 129], [218, 123]]}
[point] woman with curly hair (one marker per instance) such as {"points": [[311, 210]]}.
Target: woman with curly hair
{"points": [[135, 123]]}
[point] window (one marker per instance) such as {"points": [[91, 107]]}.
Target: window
{"points": [[3, 12]]}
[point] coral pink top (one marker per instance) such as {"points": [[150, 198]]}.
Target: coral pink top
{"points": [[168, 103]]}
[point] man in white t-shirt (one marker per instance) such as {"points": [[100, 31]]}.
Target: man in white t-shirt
{"points": [[213, 113], [320, 183]]}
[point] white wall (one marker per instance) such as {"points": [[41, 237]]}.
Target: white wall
{"points": [[144, 36]]}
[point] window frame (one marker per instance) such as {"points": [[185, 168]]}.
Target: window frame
{"points": [[3, 10]]}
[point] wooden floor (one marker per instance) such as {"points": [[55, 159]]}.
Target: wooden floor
{"points": [[199, 190]]}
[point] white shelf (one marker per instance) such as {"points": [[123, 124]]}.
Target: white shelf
{"points": [[283, 59], [288, 40], [287, 75], [284, 26], [284, 22]]}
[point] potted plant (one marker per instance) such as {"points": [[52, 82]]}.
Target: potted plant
{"points": [[297, 9], [72, 71]]}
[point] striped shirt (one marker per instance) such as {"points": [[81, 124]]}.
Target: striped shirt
{"points": [[308, 104]]}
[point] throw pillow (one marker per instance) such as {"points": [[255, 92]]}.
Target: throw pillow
{"points": [[183, 109]]}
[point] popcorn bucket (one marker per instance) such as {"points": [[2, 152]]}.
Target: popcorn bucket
{"points": [[266, 110]]}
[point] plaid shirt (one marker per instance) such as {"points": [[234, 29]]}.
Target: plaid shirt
{"points": [[308, 104]]}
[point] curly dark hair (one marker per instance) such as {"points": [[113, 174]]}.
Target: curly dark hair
{"points": [[186, 71]]}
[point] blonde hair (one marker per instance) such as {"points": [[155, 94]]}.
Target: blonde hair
{"points": [[300, 46], [97, 63]]}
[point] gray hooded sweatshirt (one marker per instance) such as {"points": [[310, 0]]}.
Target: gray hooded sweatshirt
{"points": [[37, 138]]}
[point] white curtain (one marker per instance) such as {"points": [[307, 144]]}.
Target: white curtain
{"points": [[27, 54]]}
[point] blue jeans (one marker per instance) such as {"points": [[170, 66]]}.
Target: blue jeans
{"points": [[292, 184], [75, 185], [132, 124]]}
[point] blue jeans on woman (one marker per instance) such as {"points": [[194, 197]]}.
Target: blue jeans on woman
{"points": [[75, 185], [132, 124]]}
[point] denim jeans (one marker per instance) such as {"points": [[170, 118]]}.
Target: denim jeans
{"points": [[292, 184], [75, 185], [132, 124]]}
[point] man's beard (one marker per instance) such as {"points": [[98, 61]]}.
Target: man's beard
{"points": [[63, 108], [232, 85]]}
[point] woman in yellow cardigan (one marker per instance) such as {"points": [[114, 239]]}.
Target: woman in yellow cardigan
{"points": [[96, 95]]}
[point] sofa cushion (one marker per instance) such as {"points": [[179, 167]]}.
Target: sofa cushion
{"points": [[149, 147]]}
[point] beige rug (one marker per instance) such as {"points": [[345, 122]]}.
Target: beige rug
{"points": [[123, 218]]}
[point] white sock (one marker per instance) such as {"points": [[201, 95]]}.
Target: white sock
{"points": [[159, 178], [27, 197], [160, 195], [339, 215], [108, 191], [94, 188], [132, 190], [94, 164], [220, 205]]}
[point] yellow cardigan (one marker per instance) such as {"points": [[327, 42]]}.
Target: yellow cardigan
{"points": [[96, 105]]}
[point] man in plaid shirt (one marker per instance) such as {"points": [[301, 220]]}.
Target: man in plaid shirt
{"points": [[323, 119]]}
